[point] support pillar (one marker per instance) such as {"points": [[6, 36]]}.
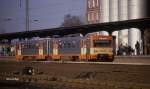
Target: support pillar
{"points": [[143, 41]]}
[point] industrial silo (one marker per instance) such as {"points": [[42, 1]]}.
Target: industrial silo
{"points": [[123, 15], [104, 11], [113, 16], [136, 10]]}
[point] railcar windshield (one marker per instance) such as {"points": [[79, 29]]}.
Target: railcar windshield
{"points": [[102, 43]]}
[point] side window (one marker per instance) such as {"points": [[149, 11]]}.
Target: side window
{"points": [[40, 44], [60, 44], [88, 43], [64, 44], [74, 44], [33, 45], [29, 45], [25, 45], [82, 43], [37, 45], [22, 46], [69, 45]]}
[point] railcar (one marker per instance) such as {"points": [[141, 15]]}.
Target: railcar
{"points": [[100, 47], [92, 47], [68, 48], [40, 49]]}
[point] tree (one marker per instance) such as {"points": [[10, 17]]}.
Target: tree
{"points": [[71, 21]]}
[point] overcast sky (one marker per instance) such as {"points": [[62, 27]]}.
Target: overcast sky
{"points": [[49, 13]]}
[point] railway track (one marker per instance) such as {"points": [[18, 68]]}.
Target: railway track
{"points": [[129, 60]]}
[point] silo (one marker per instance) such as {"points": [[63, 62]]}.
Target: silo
{"points": [[135, 11], [113, 10], [104, 11], [123, 15], [104, 14], [113, 16]]}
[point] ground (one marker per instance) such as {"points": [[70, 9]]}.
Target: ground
{"points": [[80, 76]]}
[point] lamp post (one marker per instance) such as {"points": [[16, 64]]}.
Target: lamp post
{"points": [[27, 15]]}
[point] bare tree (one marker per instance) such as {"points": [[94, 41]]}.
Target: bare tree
{"points": [[71, 21]]}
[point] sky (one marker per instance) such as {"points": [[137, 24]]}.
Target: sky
{"points": [[42, 13]]}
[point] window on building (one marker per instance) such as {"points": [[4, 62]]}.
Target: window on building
{"points": [[89, 3], [93, 3], [97, 2], [97, 17], [88, 16], [92, 16]]}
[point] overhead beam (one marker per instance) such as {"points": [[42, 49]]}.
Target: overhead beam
{"points": [[84, 29]]}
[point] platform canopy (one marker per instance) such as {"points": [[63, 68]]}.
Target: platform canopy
{"points": [[142, 24]]}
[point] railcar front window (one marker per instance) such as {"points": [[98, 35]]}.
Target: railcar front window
{"points": [[102, 43]]}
